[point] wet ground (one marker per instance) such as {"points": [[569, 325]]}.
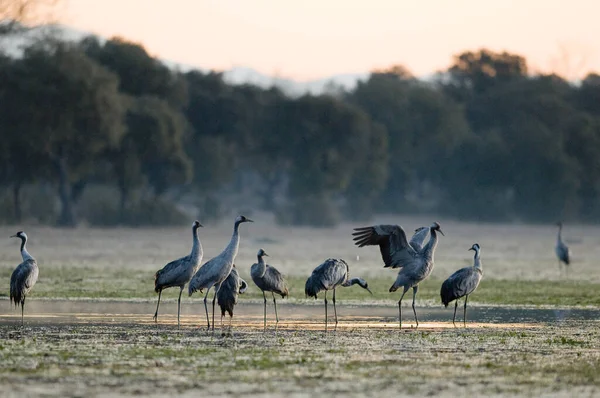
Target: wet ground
{"points": [[40, 312]]}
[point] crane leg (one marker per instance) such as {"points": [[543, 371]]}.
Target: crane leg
{"points": [[465, 312], [275, 304], [156, 313], [400, 307], [454, 317], [22, 311], [265, 312], [334, 309], [325, 310], [415, 289], [179, 305], [213, 303], [206, 309]]}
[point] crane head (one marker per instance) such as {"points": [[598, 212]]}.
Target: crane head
{"points": [[241, 219], [437, 227], [197, 224], [475, 247], [261, 253], [19, 234]]}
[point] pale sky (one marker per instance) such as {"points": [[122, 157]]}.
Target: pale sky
{"points": [[308, 39]]}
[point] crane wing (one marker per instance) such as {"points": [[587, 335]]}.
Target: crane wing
{"points": [[393, 245], [275, 280], [418, 238], [462, 282]]}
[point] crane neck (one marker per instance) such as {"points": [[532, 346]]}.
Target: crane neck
{"points": [[24, 253], [232, 248], [477, 259], [196, 245], [429, 248], [559, 236], [262, 266]]}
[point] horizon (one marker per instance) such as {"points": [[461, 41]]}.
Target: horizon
{"points": [[276, 40]]}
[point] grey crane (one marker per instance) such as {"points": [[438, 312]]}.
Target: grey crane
{"points": [[462, 283], [180, 271], [217, 269], [268, 279], [562, 250], [328, 276], [227, 295], [24, 276], [415, 262]]}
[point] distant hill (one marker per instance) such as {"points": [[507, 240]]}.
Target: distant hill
{"points": [[237, 75]]}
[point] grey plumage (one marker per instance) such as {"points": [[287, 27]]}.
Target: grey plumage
{"points": [[180, 271], [24, 276], [562, 250], [227, 296], [268, 279], [415, 262], [418, 238], [217, 269], [328, 276], [462, 283]]}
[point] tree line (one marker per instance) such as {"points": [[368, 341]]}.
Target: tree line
{"points": [[485, 140]]}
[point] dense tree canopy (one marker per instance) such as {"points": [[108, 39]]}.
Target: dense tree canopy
{"points": [[486, 140]]}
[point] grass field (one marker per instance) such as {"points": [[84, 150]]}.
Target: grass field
{"points": [[138, 359], [132, 357]]}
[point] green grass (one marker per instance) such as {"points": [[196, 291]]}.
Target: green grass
{"points": [[82, 282]]}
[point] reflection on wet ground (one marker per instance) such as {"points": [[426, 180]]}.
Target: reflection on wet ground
{"points": [[291, 315]]}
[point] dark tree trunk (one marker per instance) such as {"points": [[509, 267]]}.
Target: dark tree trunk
{"points": [[67, 211], [17, 201]]}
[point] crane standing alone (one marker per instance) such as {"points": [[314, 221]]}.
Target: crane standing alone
{"points": [[228, 293], [24, 276], [180, 271], [217, 269], [268, 279], [562, 250], [328, 276], [462, 283], [415, 263]]}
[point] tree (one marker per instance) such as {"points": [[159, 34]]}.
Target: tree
{"points": [[473, 73], [139, 73], [423, 125], [70, 108]]}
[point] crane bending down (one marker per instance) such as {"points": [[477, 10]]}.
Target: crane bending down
{"points": [[24, 276], [562, 250], [268, 279], [328, 276], [180, 271], [462, 283], [217, 269], [415, 262], [227, 296]]}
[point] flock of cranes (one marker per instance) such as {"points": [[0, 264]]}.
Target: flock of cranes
{"points": [[414, 259]]}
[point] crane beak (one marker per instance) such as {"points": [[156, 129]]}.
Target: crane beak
{"points": [[200, 225], [265, 254], [13, 236], [471, 249], [369, 290], [249, 220], [441, 232]]}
